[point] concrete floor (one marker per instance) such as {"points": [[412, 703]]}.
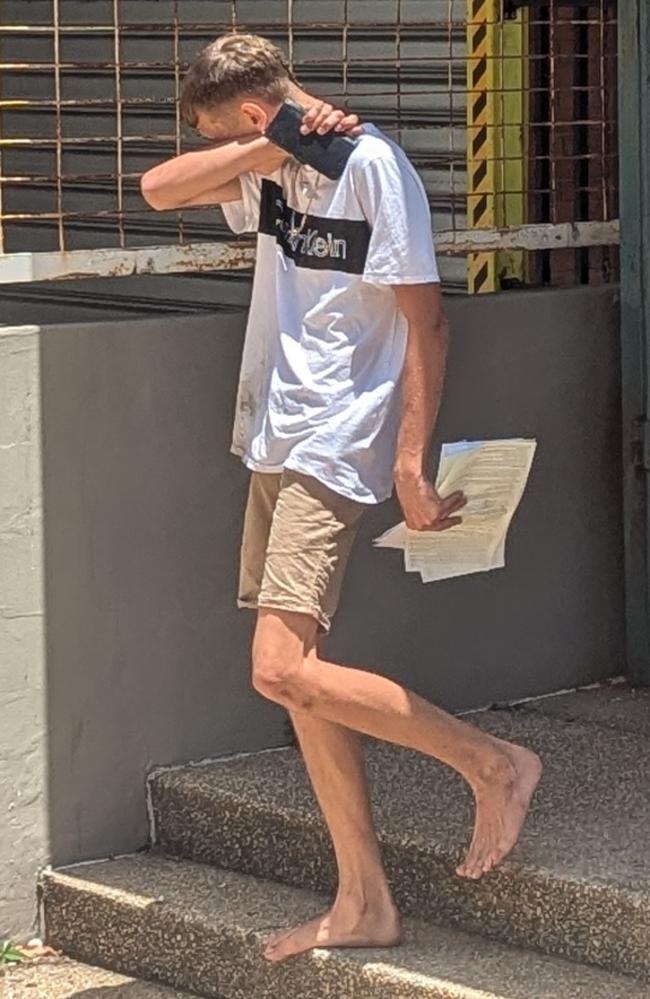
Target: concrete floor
{"points": [[60, 978]]}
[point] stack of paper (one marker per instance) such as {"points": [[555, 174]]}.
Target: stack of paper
{"points": [[493, 476]]}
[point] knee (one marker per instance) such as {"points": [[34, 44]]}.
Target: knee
{"points": [[279, 679]]}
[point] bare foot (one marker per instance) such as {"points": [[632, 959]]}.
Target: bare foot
{"points": [[501, 809], [341, 926]]}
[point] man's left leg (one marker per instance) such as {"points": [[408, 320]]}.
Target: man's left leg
{"points": [[503, 776]]}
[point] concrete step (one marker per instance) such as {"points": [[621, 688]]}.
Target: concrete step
{"points": [[61, 978], [202, 929], [577, 885]]}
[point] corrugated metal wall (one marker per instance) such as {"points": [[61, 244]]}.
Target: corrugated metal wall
{"points": [[397, 62]]}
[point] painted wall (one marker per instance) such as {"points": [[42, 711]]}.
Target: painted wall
{"points": [[121, 645], [24, 782]]}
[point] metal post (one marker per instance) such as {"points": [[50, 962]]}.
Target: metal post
{"points": [[634, 123], [496, 137], [482, 41], [514, 82]]}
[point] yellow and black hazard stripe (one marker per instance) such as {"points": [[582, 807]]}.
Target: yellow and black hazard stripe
{"points": [[482, 21], [495, 137]]}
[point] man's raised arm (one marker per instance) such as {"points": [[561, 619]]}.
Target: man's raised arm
{"points": [[211, 174]]}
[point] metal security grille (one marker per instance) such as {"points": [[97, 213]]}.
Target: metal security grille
{"points": [[507, 110]]}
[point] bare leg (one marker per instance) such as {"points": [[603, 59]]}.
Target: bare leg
{"points": [[363, 913], [502, 776]]}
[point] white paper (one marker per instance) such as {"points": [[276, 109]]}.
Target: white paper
{"points": [[394, 537], [493, 476]]}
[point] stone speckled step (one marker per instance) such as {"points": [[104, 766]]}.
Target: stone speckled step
{"points": [[199, 928], [577, 885], [61, 978]]}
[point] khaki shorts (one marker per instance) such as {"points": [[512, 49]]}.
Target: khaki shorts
{"points": [[297, 539]]}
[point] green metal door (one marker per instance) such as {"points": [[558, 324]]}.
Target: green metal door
{"points": [[634, 147]]}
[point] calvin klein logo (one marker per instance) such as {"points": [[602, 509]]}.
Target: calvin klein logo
{"points": [[313, 241], [308, 242]]}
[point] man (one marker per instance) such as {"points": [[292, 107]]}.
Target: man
{"points": [[340, 386]]}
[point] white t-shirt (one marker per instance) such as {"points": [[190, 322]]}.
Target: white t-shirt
{"points": [[325, 341]]}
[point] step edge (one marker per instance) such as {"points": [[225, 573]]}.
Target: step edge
{"points": [[519, 871], [160, 770], [130, 899], [386, 973]]}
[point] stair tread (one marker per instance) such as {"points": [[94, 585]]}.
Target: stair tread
{"points": [[588, 821], [211, 904], [61, 978]]}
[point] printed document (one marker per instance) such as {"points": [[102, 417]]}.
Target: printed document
{"points": [[493, 476]]}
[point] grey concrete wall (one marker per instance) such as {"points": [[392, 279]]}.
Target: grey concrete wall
{"points": [[538, 364], [138, 296], [146, 656]]}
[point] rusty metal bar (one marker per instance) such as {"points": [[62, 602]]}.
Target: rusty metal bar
{"points": [[290, 35], [177, 111], [118, 120], [564, 136], [170, 101], [57, 111], [299, 27], [367, 61], [201, 257]]}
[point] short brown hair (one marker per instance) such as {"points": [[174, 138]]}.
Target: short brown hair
{"points": [[234, 66]]}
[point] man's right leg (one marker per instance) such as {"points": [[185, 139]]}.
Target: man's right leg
{"points": [[335, 763], [332, 753]]}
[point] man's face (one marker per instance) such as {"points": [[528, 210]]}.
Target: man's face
{"points": [[221, 124], [234, 121]]}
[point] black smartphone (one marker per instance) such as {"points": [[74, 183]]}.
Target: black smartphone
{"points": [[326, 153]]}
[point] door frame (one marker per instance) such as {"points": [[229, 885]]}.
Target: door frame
{"points": [[634, 159]]}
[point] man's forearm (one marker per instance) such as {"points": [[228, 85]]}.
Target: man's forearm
{"points": [[421, 392], [184, 177]]}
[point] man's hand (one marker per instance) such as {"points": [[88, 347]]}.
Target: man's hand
{"points": [[322, 117], [423, 508]]}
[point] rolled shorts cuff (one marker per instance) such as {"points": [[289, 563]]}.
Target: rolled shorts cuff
{"points": [[286, 604], [247, 604]]}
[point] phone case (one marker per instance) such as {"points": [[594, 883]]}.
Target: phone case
{"points": [[326, 153]]}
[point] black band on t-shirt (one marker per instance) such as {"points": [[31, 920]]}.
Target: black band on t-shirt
{"points": [[322, 243]]}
